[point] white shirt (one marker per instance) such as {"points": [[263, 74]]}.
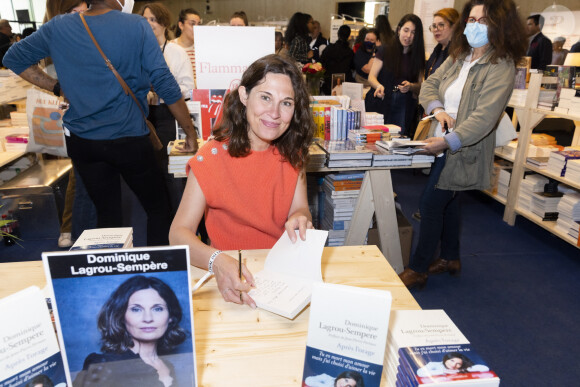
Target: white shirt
{"points": [[180, 66]]}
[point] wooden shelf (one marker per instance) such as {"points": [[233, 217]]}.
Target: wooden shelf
{"points": [[504, 155], [495, 196], [548, 225], [8, 157], [543, 171]]}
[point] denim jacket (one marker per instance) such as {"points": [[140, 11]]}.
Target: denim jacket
{"points": [[485, 95]]}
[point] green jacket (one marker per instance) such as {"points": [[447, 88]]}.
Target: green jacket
{"points": [[485, 95]]}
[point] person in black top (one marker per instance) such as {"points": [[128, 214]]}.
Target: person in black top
{"points": [[363, 58], [540, 48], [139, 326], [318, 42], [5, 38], [337, 58], [442, 29]]}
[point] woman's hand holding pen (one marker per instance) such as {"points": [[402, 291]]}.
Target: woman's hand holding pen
{"points": [[444, 119], [226, 270]]}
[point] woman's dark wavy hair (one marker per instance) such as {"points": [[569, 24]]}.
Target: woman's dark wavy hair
{"points": [[233, 127], [111, 320], [161, 13], [394, 51], [505, 31], [466, 362], [297, 25], [181, 19], [383, 26], [40, 379], [351, 375]]}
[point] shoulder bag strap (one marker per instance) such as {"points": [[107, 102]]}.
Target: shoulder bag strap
{"points": [[124, 85]]}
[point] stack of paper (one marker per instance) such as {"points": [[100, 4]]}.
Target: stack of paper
{"points": [[545, 204], [372, 118], [503, 182], [340, 196], [419, 341], [104, 238], [569, 214], [558, 160], [346, 154], [177, 159], [402, 146], [529, 185], [539, 162], [573, 170]]}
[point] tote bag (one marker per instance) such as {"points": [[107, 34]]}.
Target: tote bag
{"points": [[44, 116]]}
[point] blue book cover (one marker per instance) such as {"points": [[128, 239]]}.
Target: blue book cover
{"points": [[444, 364]]}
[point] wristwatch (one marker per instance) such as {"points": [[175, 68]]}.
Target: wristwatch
{"points": [[56, 89]]}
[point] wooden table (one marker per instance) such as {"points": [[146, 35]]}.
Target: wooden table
{"points": [[236, 345]]}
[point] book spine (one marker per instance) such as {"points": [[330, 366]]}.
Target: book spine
{"points": [[327, 123]]}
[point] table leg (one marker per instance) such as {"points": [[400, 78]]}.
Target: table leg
{"points": [[376, 195]]}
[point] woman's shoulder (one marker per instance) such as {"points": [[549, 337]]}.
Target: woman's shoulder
{"points": [[106, 357]]}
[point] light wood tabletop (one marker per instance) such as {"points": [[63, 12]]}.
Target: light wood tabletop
{"points": [[236, 345]]}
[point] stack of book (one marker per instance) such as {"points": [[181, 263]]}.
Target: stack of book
{"points": [[426, 347], [569, 101], [385, 158], [503, 182], [366, 136], [558, 160], [530, 184], [573, 170], [538, 162], [547, 99], [19, 119], [402, 146], [509, 150], [342, 154], [372, 118], [317, 156], [333, 122], [569, 214], [518, 97], [545, 204], [104, 238], [341, 192], [177, 159], [422, 159]]}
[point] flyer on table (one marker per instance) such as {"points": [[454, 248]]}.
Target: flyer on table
{"points": [[124, 316], [29, 353], [347, 335]]}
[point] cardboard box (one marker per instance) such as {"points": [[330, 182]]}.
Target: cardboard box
{"points": [[405, 236]]}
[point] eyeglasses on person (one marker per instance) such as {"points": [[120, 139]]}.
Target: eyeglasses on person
{"points": [[437, 27], [481, 20]]}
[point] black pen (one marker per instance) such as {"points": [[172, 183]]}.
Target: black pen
{"points": [[240, 269]]}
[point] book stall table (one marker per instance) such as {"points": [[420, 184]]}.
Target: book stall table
{"points": [[235, 343], [376, 197]]}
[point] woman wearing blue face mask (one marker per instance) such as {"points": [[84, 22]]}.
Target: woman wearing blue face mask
{"points": [[467, 96]]}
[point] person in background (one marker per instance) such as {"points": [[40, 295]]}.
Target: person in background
{"points": [[106, 135], [318, 42], [397, 73], [384, 31], [239, 19], [558, 51], [364, 57], [467, 96], [297, 37], [540, 47], [279, 45], [188, 18], [250, 179], [28, 31], [5, 37], [79, 212], [159, 18], [575, 47], [444, 21], [337, 58], [360, 37]]}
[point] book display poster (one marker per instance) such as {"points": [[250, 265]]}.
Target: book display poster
{"points": [[109, 304], [29, 353], [194, 108], [223, 69], [347, 335], [337, 81], [210, 102]]}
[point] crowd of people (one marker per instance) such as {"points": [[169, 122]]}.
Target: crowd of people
{"points": [[267, 124]]}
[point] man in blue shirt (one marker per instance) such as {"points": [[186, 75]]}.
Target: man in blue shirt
{"points": [[106, 134]]}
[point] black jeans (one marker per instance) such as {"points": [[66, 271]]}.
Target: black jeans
{"points": [[102, 163]]}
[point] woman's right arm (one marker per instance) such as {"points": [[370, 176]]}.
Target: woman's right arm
{"points": [[183, 232], [375, 70]]}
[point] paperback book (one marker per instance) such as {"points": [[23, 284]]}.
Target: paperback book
{"points": [[284, 286], [29, 353], [112, 307], [347, 334], [104, 238]]}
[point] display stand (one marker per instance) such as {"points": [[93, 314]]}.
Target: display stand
{"points": [[529, 116]]}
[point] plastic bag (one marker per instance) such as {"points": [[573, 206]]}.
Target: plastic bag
{"points": [[45, 123]]}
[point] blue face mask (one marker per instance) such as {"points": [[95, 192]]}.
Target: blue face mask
{"points": [[476, 34]]}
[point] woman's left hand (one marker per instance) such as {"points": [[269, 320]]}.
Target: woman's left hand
{"points": [[300, 222], [435, 146], [405, 86]]}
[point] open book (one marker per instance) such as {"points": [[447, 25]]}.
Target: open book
{"points": [[284, 286], [407, 147]]}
